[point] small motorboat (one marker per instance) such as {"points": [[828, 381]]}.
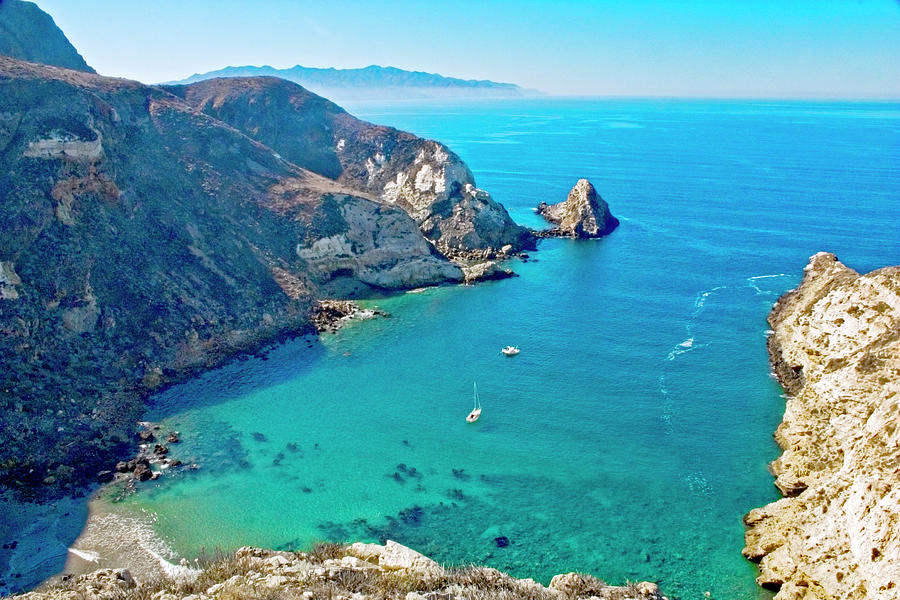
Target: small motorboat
{"points": [[510, 350], [476, 411]]}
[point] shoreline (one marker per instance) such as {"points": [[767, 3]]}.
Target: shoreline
{"points": [[835, 349]]}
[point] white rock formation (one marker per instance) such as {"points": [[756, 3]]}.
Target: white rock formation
{"points": [[584, 214], [836, 349], [66, 148], [380, 247]]}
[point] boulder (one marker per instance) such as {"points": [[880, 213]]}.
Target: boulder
{"points": [[584, 214], [142, 472], [485, 271]]}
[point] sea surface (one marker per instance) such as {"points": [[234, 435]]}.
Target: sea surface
{"points": [[634, 429]]}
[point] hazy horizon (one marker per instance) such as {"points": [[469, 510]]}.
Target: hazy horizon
{"points": [[651, 48]]}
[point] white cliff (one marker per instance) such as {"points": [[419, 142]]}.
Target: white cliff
{"points": [[836, 350]]}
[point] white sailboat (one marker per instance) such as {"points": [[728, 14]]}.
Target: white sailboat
{"points": [[476, 411]]}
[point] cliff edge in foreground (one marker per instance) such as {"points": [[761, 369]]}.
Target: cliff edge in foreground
{"points": [[835, 348], [359, 571]]}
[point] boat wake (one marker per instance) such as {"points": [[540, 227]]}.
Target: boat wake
{"points": [[693, 341]]}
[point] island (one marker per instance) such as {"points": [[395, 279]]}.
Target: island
{"points": [[583, 214], [373, 82]]}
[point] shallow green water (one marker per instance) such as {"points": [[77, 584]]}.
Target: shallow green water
{"points": [[634, 429]]}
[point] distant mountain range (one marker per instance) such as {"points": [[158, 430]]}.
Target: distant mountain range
{"points": [[374, 82]]}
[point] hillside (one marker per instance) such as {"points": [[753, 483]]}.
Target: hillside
{"points": [[144, 241], [423, 177], [28, 33]]}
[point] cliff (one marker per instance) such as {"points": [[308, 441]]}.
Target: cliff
{"points": [[359, 571], [835, 348], [144, 240], [583, 214], [423, 177], [28, 33]]}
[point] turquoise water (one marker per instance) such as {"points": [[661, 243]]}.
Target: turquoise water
{"points": [[633, 431]]}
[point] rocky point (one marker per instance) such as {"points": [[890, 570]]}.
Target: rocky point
{"points": [[583, 214], [835, 347]]}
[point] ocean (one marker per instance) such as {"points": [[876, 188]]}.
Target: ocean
{"points": [[634, 429]]}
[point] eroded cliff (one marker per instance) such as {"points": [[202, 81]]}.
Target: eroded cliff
{"points": [[423, 177], [142, 241], [835, 347]]}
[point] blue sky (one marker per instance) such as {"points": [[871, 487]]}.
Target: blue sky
{"points": [[727, 48]]}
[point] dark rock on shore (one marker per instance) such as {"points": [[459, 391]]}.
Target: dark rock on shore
{"points": [[584, 214]]}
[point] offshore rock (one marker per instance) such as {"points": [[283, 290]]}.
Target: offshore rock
{"points": [[584, 214], [835, 348]]}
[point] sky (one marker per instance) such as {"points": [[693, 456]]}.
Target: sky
{"points": [[699, 48]]}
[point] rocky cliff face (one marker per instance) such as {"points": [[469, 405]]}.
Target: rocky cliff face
{"points": [[358, 572], [423, 177], [143, 240], [583, 214], [28, 33], [835, 347]]}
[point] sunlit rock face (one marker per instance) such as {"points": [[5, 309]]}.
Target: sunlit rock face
{"points": [[583, 214], [835, 347]]}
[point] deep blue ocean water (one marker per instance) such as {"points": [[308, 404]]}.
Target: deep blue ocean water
{"points": [[633, 431]]}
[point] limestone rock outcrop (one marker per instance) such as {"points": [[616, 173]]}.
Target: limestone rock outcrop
{"points": [[358, 572], [370, 246], [583, 214], [835, 348]]}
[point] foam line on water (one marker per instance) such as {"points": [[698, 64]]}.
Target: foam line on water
{"points": [[690, 343]]}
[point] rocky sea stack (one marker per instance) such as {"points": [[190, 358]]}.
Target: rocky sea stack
{"points": [[835, 348], [584, 214]]}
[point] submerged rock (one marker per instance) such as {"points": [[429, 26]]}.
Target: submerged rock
{"points": [[584, 214]]}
